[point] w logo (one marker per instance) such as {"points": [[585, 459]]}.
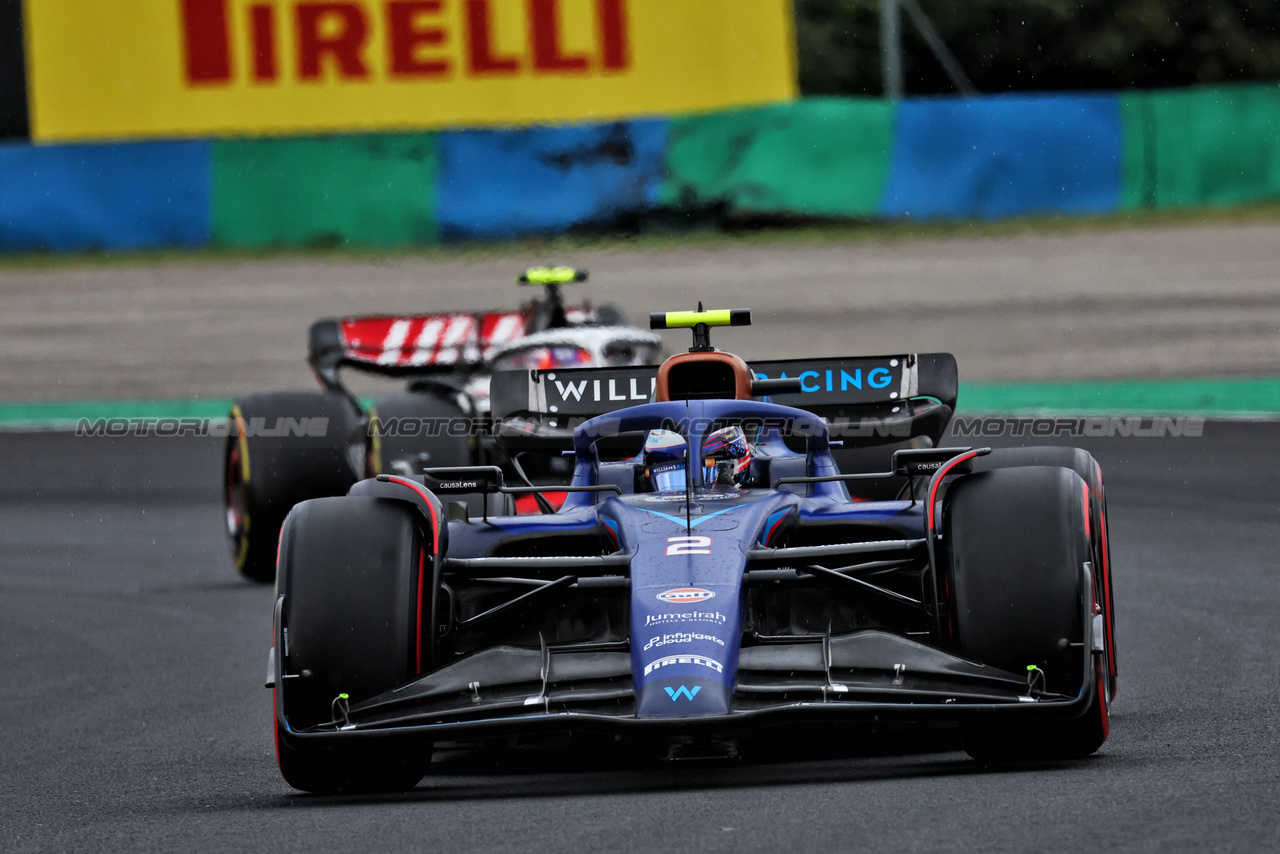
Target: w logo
{"points": [[677, 693]]}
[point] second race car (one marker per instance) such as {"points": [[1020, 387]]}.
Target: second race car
{"points": [[285, 447]]}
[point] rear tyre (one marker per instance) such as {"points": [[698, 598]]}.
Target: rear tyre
{"points": [[264, 475], [1082, 463], [350, 573], [1015, 541], [418, 429]]}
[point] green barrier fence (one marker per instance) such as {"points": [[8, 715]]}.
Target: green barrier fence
{"points": [[369, 190], [1195, 147], [815, 157]]}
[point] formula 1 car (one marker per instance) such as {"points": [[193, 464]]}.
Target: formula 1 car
{"points": [[712, 578], [285, 447]]}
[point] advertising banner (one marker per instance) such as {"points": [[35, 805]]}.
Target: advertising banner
{"points": [[152, 68]]}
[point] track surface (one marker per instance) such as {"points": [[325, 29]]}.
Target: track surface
{"points": [[1141, 303], [134, 716]]}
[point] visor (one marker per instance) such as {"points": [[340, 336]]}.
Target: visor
{"points": [[669, 477]]}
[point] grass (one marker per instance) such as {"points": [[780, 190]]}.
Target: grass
{"points": [[667, 236]]}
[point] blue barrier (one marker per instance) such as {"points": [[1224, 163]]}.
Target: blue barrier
{"points": [[500, 183], [128, 196], [1004, 156]]}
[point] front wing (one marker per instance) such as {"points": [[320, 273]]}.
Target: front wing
{"points": [[864, 677]]}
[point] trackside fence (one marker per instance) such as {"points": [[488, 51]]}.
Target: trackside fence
{"points": [[920, 158]]}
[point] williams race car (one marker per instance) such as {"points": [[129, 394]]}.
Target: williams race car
{"points": [[285, 447], [712, 578]]}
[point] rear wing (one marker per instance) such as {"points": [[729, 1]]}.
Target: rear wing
{"points": [[872, 400], [828, 386], [408, 344], [402, 345]]}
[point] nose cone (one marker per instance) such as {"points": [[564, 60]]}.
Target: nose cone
{"points": [[676, 697], [684, 658]]}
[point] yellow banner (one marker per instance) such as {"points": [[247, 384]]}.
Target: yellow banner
{"points": [[111, 69]]}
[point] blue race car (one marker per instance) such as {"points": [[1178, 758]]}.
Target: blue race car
{"points": [[713, 576]]}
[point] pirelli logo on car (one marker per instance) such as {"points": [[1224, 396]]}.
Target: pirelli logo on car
{"points": [[136, 68]]}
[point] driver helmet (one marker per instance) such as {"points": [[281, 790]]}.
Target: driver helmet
{"points": [[665, 457], [726, 458]]}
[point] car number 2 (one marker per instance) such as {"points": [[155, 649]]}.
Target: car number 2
{"points": [[688, 546]]}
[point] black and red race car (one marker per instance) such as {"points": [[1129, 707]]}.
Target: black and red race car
{"points": [[285, 447]]}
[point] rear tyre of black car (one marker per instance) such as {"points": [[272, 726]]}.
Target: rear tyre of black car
{"points": [[1015, 542], [268, 467], [349, 573], [421, 428]]}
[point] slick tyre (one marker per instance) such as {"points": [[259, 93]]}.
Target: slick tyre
{"points": [[350, 572], [418, 429], [283, 448], [1015, 542], [1083, 464]]}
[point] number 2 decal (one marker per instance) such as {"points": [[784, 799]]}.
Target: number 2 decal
{"points": [[688, 546]]}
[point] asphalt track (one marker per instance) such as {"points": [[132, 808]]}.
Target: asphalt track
{"points": [[134, 718]]}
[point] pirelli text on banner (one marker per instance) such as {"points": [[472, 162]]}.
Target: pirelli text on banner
{"points": [[139, 68]]}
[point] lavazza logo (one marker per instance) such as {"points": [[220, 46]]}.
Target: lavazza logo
{"points": [[685, 595]]}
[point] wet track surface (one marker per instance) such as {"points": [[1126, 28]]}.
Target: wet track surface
{"points": [[134, 717]]}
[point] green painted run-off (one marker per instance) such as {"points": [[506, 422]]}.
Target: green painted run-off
{"points": [[1220, 398]]}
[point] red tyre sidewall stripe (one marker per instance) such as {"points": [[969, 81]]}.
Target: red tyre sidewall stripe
{"points": [[422, 559], [1110, 627], [1106, 593], [1088, 529], [1099, 675], [1103, 708], [929, 511], [435, 550]]}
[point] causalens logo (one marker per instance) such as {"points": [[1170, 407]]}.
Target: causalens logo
{"points": [[687, 693]]}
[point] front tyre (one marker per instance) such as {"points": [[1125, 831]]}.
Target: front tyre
{"points": [[1082, 463], [1016, 541], [351, 574]]}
